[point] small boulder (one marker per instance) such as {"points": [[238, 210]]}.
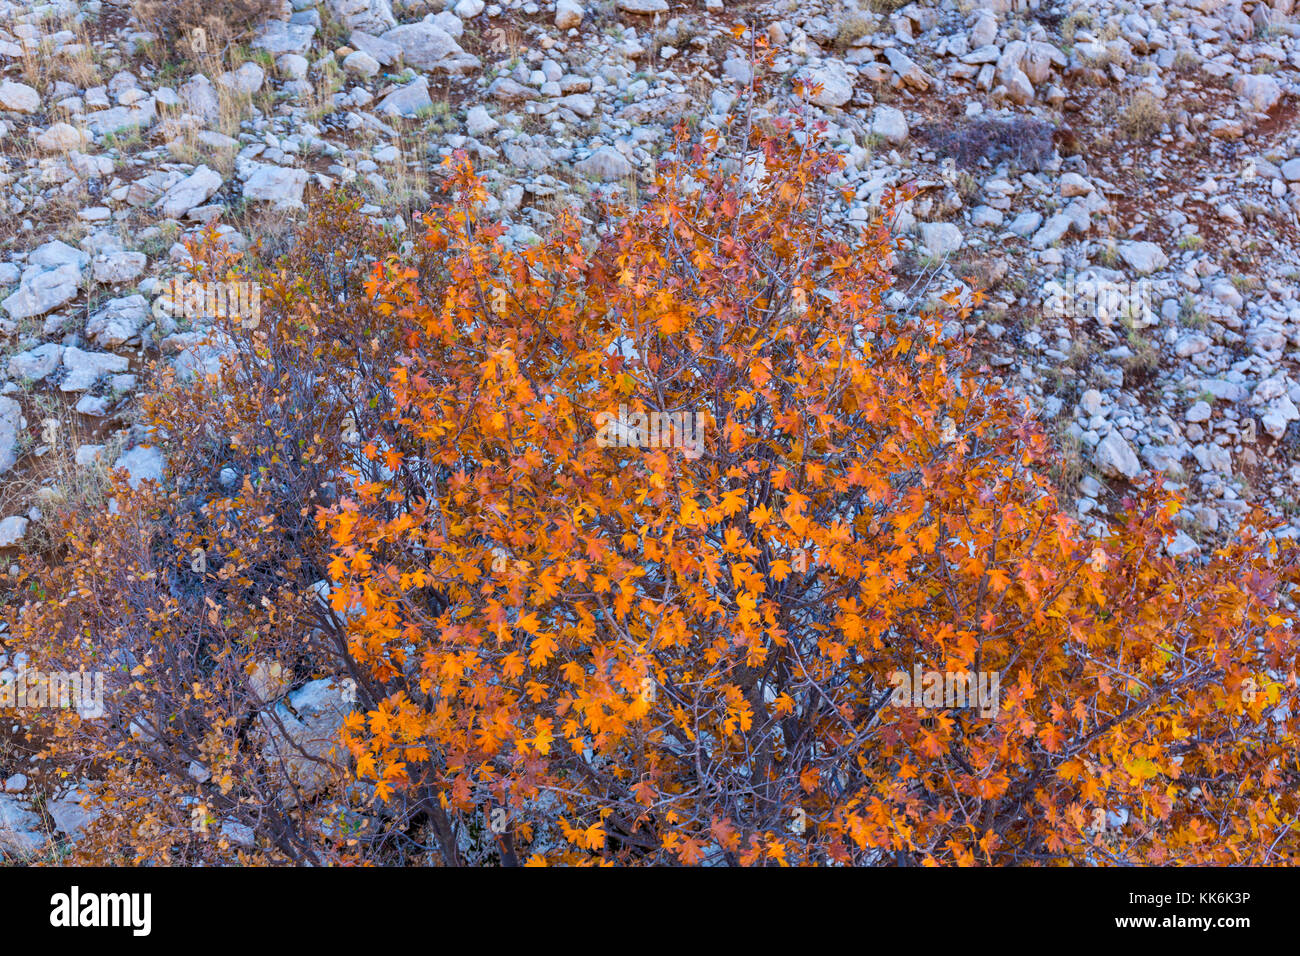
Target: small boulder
{"points": [[1115, 458]]}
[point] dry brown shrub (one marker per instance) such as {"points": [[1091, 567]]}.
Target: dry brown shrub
{"points": [[222, 23]]}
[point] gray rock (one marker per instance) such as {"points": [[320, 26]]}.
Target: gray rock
{"points": [[42, 289], [940, 239], [302, 731], [12, 530], [604, 165], [1072, 184], [194, 190], [1114, 457], [1262, 91], [1026, 223], [568, 14], [1053, 231], [117, 267], [506, 90], [580, 104], [11, 421], [446, 20], [57, 253], [984, 53], [20, 828], [142, 463], [85, 368], [836, 86], [96, 406], [1143, 257], [360, 63], [985, 30], [118, 322], [197, 353], [407, 100], [1182, 546], [1039, 59], [292, 66], [1018, 86], [738, 70], [1193, 344], [248, 79], [34, 364], [1222, 390], [70, 813], [278, 37], [1213, 458], [140, 115], [18, 97], [1268, 389], [478, 122], [1279, 413], [645, 7], [372, 16], [238, 833], [427, 47], [1166, 458], [88, 455], [1226, 293], [907, 70], [277, 184], [60, 138], [200, 98], [382, 50], [890, 123], [527, 157], [1091, 402]]}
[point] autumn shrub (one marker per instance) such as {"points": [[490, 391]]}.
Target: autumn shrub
{"points": [[441, 473], [199, 599], [593, 647], [1026, 141]]}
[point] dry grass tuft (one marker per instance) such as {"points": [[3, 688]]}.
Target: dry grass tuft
{"points": [[1142, 117]]}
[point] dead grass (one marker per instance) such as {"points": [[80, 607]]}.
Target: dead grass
{"points": [[76, 62], [1071, 24], [49, 477], [177, 21], [80, 66], [1142, 365], [851, 29], [1142, 117], [1068, 466], [1186, 61]]}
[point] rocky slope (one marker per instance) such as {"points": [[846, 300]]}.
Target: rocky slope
{"points": [[1123, 178]]}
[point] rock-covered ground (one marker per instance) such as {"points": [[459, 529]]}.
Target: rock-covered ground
{"points": [[1122, 177]]}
